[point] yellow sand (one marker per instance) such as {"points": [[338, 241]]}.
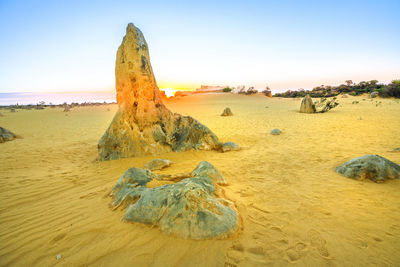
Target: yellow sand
{"points": [[296, 209]]}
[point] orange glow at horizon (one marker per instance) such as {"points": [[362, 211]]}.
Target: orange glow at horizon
{"points": [[169, 92]]}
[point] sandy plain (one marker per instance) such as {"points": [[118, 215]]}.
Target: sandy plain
{"points": [[296, 209]]}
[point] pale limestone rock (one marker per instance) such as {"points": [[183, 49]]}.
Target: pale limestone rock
{"points": [[307, 105], [142, 124]]}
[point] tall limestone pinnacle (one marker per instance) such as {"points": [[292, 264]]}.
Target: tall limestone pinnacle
{"points": [[142, 124]]}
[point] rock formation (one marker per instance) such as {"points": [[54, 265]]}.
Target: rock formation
{"points": [[6, 135], [373, 167], [227, 112], [191, 208], [142, 124], [307, 105]]}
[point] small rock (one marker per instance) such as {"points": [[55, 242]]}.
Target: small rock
{"points": [[359, 118], [230, 146], [373, 94], [227, 112], [395, 150], [157, 164], [275, 132], [373, 167], [58, 256]]}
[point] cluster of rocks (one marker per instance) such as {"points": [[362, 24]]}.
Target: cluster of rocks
{"points": [[241, 89], [193, 207]]}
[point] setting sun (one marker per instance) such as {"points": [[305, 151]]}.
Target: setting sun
{"points": [[169, 92]]}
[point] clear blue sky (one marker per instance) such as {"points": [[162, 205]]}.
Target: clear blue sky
{"points": [[71, 45]]}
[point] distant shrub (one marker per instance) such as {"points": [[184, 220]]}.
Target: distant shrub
{"points": [[390, 90], [393, 88], [226, 89]]}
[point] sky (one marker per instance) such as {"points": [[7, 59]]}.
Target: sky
{"points": [[51, 46]]}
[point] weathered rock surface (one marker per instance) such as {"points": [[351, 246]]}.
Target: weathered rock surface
{"points": [[206, 169], [157, 164], [230, 146], [373, 167], [142, 124], [307, 105], [6, 135], [190, 208], [227, 112], [275, 132]]}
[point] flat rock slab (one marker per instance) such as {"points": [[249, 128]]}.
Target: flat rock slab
{"points": [[190, 208], [6, 135], [373, 167], [157, 164]]}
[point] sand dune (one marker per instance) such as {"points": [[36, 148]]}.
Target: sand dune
{"points": [[295, 208]]}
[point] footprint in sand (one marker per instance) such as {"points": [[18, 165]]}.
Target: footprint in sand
{"points": [[238, 253], [296, 252], [57, 238], [318, 242]]}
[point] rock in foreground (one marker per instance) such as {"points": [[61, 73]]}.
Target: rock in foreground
{"points": [[6, 135], [373, 167], [227, 112], [307, 105], [190, 208], [142, 124]]}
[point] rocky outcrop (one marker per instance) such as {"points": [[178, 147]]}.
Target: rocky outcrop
{"points": [[157, 164], [6, 135], [227, 112], [373, 167], [307, 105], [142, 124], [191, 208]]}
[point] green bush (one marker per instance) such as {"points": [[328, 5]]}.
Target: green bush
{"points": [[227, 89]]}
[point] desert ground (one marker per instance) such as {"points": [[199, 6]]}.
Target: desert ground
{"points": [[296, 209]]}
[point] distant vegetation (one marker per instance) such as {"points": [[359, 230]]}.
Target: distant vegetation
{"points": [[390, 90], [227, 89]]}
